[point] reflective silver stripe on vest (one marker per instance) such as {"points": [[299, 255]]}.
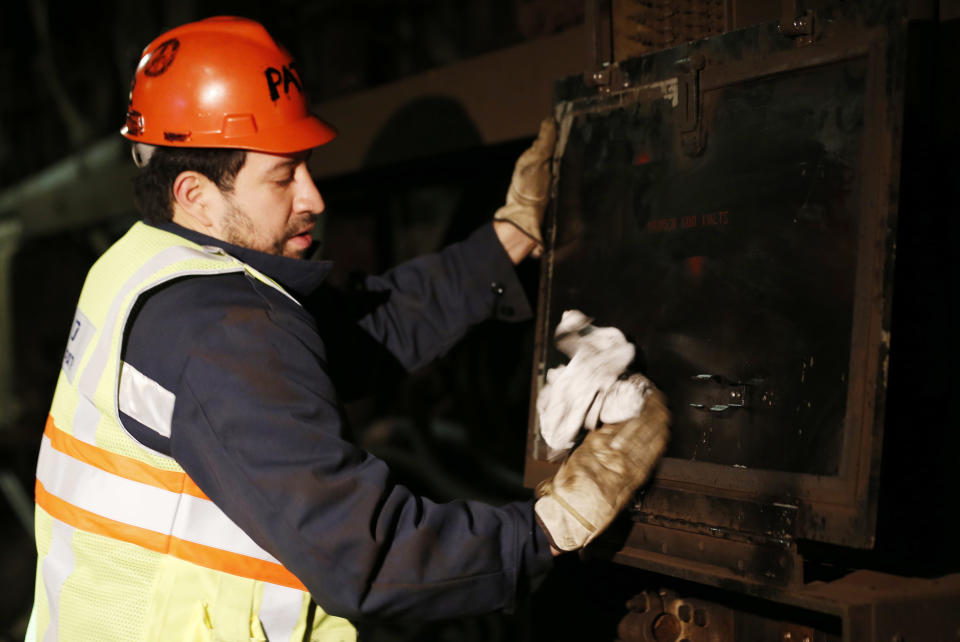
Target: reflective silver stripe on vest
{"points": [[56, 568], [146, 400], [138, 504], [280, 610], [91, 374], [202, 522]]}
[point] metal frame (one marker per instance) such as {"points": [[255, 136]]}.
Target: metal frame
{"points": [[839, 509]]}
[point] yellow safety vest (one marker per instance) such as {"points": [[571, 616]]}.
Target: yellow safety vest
{"points": [[129, 547]]}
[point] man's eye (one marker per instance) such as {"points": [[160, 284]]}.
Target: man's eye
{"points": [[285, 181]]}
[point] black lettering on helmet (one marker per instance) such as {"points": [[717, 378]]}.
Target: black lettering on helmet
{"points": [[162, 57], [273, 81], [290, 76]]}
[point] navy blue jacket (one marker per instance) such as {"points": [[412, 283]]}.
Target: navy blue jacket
{"points": [[258, 426]]}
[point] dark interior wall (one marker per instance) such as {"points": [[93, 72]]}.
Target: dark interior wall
{"points": [[66, 66]]}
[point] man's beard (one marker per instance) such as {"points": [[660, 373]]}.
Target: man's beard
{"points": [[239, 230]]}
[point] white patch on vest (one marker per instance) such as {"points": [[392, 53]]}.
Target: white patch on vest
{"points": [[80, 332], [56, 568], [280, 610], [146, 400]]}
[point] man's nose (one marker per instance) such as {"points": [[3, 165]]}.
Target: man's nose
{"points": [[308, 197]]}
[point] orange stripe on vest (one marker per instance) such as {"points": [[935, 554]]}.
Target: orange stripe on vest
{"points": [[199, 554], [121, 465]]}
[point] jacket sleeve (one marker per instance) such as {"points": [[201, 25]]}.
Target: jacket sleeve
{"points": [[257, 426], [428, 303]]}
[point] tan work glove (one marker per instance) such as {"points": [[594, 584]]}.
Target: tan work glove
{"points": [[530, 186], [600, 476]]}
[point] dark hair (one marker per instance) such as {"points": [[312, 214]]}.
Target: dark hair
{"points": [[153, 185]]}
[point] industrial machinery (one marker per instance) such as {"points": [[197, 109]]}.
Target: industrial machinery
{"points": [[764, 213]]}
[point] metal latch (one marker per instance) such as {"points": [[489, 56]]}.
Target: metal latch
{"points": [[719, 395], [692, 138]]}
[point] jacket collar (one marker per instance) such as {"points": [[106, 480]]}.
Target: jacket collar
{"points": [[300, 277]]}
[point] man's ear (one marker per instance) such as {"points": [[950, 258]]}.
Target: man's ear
{"points": [[192, 200]]}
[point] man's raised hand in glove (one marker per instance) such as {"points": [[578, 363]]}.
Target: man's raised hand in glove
{"points": [[518, 222], [600, 476]]}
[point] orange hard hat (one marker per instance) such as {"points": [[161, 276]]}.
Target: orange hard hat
{"points": [[221, 82]]}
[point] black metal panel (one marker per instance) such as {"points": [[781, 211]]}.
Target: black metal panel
{"points": [[734, 270], [728, 204]]}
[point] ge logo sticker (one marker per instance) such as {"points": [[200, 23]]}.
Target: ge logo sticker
{"points": [[162, 57]]}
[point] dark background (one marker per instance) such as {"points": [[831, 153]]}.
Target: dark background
{"points": [[65, 67]]}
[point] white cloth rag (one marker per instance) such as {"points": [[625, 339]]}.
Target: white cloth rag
{"points": [[588, 390]]}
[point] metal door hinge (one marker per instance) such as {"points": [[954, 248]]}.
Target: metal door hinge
{"points": [[692, 137], [796, 24], [607, 79]]}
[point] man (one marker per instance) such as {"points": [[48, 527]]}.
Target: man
{"points": [[195, 482]]}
